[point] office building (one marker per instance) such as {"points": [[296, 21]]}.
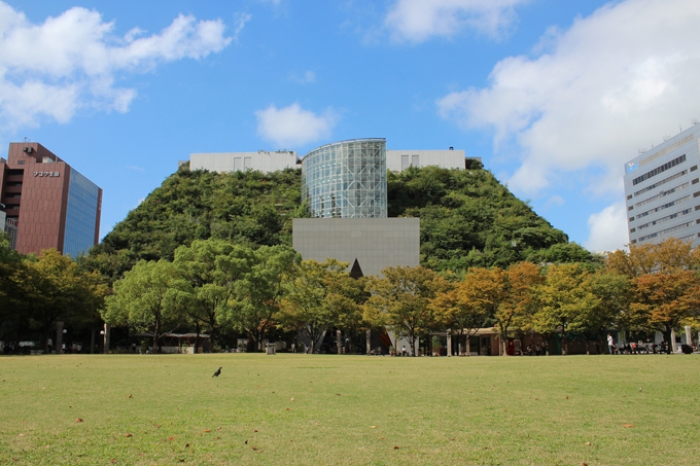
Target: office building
{"points": [[50, 203], [662, 190]]}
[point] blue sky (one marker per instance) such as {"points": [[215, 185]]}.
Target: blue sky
{"points": [[555, 96]]}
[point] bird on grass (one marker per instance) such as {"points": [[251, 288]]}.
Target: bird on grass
{"points": [[217, 373]]}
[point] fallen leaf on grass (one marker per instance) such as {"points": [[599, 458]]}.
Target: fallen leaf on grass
{"points": [[79, 420], [113, 461], [288, 409], [47, 446], [567, 397], [372, 427], [128, 435], [255, 430], [628, 425], [207, 430], [337, 394], [171, 438], [130, 396], [218, 428], [21, 435], [157, 426], [588, 444], [452, 439], [187, 445], [291, 399], [255, 448], [396, 447]]}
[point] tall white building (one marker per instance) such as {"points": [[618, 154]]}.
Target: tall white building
{"points": [[662, 190]]}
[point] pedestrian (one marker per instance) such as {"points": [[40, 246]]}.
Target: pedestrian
{"points": [[403, 350], [611, 344], [49, 345]]}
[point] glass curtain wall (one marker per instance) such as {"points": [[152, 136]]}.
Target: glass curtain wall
{"points": [[81, 215], [346, 179]]}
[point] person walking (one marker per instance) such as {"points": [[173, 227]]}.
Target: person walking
{"points": [[611, 344]]}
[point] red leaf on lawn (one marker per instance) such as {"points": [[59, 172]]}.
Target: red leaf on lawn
{"points": [[171, 438], [128, 435], [157, 426], [113, 461], [628, 425], [395, 447], [207, 430], [79, 420]]}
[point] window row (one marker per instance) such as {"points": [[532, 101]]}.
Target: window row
{"points": [[668, 165]]}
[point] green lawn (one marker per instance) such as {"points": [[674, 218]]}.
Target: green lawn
{"points": [[310, 409]]}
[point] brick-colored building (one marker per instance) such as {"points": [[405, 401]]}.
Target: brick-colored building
{"points": [[52, 204]]}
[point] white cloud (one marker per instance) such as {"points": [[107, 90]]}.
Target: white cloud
{"points": [[418, 20], [73, 60], [608, 229], [614, 82], [555, 200], [293, 126], [307, 77], [610, 83]]}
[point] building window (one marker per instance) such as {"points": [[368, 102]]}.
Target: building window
{"points": [[661, 169], [247, 163], [404, 162], [693, 168], [237, 164], [415, 160]]}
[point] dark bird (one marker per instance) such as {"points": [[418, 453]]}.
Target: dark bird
{"points": [[217, 373]]}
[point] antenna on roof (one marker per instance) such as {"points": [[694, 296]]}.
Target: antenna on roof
{"points": [[666, 137], [25, 139], [694, 121]]}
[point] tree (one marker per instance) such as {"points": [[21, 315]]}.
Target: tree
{"points": [[664, 300], [259, 291], [612, 291], [150, 297], [212, 268], [52, 288], [487, 291], [671, 255], [456, 311], [401, 300], [346, 298], [563, 299], [305, 306]]}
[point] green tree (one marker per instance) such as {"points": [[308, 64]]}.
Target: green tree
{"points": [[305, 306], [564, 299], [53, 288], [259, 291], [150, 297], [212, 268]]}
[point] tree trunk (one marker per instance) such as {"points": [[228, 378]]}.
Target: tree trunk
{"points": [[155, 336]]}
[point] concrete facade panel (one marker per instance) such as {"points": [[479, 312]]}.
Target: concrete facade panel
{"points": [[424, 158], [264, 161], [376, 243]]}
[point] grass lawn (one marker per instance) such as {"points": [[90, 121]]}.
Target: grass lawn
{"points": [[317, 409]]}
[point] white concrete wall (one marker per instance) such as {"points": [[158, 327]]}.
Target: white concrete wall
{"points": [[439, 158], [239, 161]]}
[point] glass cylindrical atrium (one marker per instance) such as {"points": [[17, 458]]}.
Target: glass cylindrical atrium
{"points": [[346, 179]]}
